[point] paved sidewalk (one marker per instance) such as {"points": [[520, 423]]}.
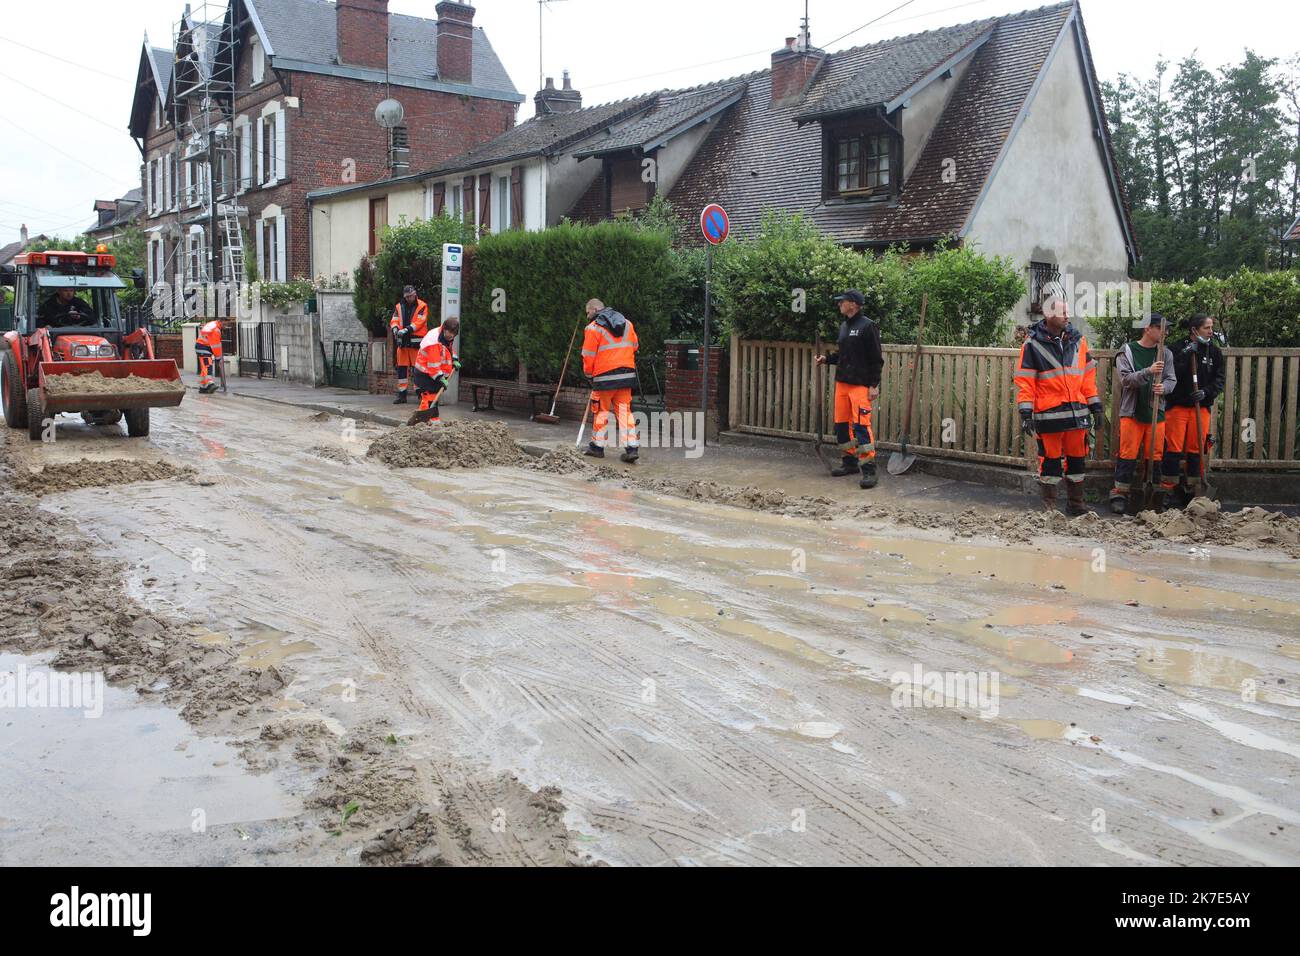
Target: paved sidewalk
{"points": [[787, 465]]}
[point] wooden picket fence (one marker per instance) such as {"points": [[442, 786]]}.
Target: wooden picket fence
{"points": [[966, 409]]}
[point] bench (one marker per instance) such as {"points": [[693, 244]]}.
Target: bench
{"points": [[494, 385]]}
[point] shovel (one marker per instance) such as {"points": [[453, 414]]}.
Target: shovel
{"points": [[1207, 489], [902, 459], [818, 419], [583, 427], [424, 414], [1157, 403]]}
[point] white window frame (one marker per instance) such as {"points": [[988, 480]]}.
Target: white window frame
{"points": [[258, 61], [195, 254], [244, 130], [272, 263], [272, 146], [149, 193], [456, 201]]}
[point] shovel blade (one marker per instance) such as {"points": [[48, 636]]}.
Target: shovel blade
{"points": [[899, 462]]}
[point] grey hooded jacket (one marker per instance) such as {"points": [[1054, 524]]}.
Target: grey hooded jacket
{"points": [[1133, 380]]}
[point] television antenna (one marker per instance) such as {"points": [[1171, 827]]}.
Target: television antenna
{"points": [[541, 78]]}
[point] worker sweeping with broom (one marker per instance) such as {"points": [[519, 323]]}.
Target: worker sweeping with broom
{"points": [[609, 347], [858, 361]]}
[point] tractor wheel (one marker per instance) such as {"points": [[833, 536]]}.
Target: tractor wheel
{"points": [[15, 396], [35, 414], [137, 422]]}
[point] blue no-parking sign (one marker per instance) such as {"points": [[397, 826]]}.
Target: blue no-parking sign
{"points": [[714, 223]]}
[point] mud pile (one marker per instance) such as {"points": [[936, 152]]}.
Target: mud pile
{"points": [[452, 444], [84, 473], [1202, 522], [570, 461], [95, 383], [331, 453]]}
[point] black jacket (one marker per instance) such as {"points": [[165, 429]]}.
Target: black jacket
{"points": [[54, 313], [859, 359], [1211, 372]]}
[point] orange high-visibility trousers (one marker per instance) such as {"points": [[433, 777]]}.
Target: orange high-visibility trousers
{"points": [[1134, 438], [1070, 445], [618, 401], [853, 422]]}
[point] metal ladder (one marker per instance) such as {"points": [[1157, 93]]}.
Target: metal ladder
{"points": [[232, 241]]}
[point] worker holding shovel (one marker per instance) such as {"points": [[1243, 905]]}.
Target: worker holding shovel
{"points": [[1201, 373], [609, 346], [1056, 392], [858, 361], [434, 364], [1146, 373]]}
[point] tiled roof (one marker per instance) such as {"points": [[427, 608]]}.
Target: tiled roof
{"points": [[671, 111], [868, 76], [307, 30], [758, 158], [1293, 234], [547, 133], [162, 64]]}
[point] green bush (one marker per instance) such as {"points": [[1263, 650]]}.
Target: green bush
{"points": [[1254, 309], [757, 284], [371, 309], [411, 254], [528, 290]]}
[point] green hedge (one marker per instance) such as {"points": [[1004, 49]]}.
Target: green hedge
{"points": [[1254, 309], [527, 291], [757, 281]]}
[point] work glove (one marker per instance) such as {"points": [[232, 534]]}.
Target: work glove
{"points": [[439, 384], [1198, 396], [455, 363], [1026, 423]]}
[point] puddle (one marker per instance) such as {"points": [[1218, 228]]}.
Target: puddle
{"points": [[266, 647], [1175, 665], [368, 496], [817, 729], [775, 640], [87, 789], [779, 581], [688, 608], [1043, 729], [550, 593]]}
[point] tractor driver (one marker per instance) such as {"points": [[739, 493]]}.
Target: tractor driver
{"points": [[65, 310]]}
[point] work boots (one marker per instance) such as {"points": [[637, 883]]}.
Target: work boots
{"points": [[400, 399], [630, 455], [1074, 505], [1158, 496], [594, 451], [1048, 490], [868, 475], [848, 466]]}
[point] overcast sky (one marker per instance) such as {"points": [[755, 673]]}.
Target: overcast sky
{"points": [[613, 49]]}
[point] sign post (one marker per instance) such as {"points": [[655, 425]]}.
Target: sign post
{"points": [[716, 226], [452, 257]]}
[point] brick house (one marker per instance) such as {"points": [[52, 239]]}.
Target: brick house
{"points": [[112, 216], [250, 112]]}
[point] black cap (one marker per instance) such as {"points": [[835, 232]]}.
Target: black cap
{"points": [[409, 290], [1157, 319], [852, 295]]}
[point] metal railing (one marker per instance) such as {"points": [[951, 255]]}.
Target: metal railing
{"points": [[350, 365]]}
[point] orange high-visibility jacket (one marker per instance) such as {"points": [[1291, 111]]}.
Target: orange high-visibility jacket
{"points": [[419, 327], [609, 347], [210, 335], [435, 356], [1056, 380]]}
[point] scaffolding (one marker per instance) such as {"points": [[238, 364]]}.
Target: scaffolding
{"points": [[206, 176]]}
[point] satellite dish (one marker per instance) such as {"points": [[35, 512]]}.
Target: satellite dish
{"points": [[389, 113]]}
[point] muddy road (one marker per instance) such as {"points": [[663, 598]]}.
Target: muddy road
{"points": [[572, 671]]}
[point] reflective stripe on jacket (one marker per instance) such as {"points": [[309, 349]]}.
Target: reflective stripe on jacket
{"points": [[435, 357], [609, 347], [210, 335], [419, 320], [1056, 379]]}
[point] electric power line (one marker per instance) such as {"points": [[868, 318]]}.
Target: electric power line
{"points": [[93, 169], [906, 3], [69, 106], [82, 66]]}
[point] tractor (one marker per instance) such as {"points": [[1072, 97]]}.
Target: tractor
{"points": [[61, 333]]}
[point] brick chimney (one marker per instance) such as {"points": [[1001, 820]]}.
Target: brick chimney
{"points": [[551, 100], [363, 32], [455, 42], [793, 66]]}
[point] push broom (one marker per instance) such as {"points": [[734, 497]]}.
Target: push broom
{"points": [[550, 418]]}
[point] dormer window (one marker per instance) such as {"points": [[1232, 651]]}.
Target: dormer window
{"points": [[862, 162]]}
